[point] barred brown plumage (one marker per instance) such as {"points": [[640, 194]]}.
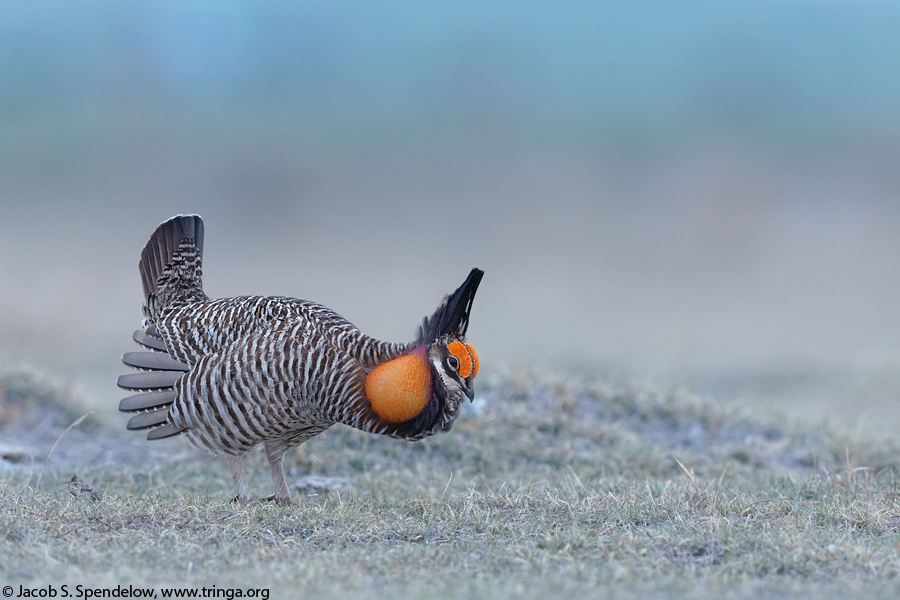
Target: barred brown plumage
{"points": [[232, 373]]}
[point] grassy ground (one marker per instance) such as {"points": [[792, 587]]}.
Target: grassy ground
{"points": [[546, 487]]}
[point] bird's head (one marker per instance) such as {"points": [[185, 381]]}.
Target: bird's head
{"points": [[424, 387], [457, 364], [420, 392]]}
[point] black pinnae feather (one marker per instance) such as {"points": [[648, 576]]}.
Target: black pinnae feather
{"points": [[452, 315]]}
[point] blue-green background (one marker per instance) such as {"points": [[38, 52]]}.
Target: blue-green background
{"points": [[701, 192]]}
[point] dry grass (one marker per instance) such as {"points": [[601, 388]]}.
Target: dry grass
{"points": [[554, 487]]}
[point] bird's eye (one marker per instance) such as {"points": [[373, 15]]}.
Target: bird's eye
{"points": [[453, 362]]}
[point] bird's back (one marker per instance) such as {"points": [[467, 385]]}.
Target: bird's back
{"points": [[193, 330]]}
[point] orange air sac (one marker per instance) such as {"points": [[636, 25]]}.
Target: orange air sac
{"points": [[400, 389]]}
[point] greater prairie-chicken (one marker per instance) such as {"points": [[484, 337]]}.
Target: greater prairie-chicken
{"points": [[235, 372]]}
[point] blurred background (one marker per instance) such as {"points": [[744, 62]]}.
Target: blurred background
{"points": [[693, 193]]}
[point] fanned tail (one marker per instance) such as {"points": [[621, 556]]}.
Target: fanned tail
{"points": [[171, 273], [171, 265], [451, 318]]}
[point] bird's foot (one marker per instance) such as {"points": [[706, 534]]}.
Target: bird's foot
{"points": [[279, 501]]}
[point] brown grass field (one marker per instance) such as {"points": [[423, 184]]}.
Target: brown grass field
{"points": [[548, 487]]}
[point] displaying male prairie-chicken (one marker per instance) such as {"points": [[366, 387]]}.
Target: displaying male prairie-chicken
{"points": [[235, 372]]}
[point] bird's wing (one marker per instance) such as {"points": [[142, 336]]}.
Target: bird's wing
{"points": [[180, 338]]}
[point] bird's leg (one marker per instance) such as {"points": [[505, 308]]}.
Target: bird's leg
{"points": [[236, 467], [275, 453]]}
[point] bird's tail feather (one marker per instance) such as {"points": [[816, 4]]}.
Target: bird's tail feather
{"points": [[171, 264], [154, 383], [171, 273]]}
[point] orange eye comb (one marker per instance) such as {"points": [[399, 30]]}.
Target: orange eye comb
{"points": [[468, 359]]}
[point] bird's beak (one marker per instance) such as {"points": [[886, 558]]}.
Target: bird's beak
{"points": [[470, 392]]}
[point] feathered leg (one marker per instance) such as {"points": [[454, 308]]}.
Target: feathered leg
{"points": [[236, 467], [275, 452]]}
